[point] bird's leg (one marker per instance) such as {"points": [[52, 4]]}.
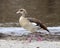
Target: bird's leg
{"points": [[38, 37], [34, 35], [30, 38]]}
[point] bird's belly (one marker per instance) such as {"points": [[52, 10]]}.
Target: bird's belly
{"points": [[30, 28]]}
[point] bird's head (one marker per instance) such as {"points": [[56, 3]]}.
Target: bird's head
{"points": [[21, 11]]}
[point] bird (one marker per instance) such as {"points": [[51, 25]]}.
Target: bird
{"points": [[30, 24]]}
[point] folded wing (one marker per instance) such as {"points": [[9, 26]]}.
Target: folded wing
{"points": [[39, 23]]}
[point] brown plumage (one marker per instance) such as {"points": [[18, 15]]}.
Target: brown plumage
{"points": [[39, 23]]}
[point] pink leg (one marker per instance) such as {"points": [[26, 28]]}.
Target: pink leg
{"points": [[30, 38], [39, 38], [35, 36]]}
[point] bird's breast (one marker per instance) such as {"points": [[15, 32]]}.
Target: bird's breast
{"points": [[23, 21]]}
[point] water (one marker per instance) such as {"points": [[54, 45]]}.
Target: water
{"points": [[21, 31]]}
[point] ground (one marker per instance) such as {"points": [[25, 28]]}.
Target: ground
{"points": [[21, 42], [25, 44]]}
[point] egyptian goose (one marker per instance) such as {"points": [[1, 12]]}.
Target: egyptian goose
{"points": [[31, 24]]}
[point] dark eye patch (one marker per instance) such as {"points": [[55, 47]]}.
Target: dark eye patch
{"points": [[21, 10]]}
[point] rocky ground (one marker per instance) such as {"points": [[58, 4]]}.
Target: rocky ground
{"points": [[10, 41], [45, 37]]}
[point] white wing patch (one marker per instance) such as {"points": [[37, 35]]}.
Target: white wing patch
{"points": [[34, 24]]}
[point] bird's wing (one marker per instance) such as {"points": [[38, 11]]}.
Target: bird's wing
{"points": [[38, 22]]}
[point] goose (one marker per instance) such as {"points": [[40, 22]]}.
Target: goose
{"points": [[30, 24]]}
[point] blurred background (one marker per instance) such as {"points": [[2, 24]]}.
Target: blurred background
{"points": [[48, 11]]}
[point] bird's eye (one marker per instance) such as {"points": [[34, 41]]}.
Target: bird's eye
{"points": [[21, 10]]}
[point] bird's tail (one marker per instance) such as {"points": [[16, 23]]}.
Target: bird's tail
{"points": [[48, 30]]}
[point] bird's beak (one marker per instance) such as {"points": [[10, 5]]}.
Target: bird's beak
{"points": [[17, 12]]}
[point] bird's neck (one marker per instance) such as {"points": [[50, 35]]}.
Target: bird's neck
{"points": [[23, 15]]}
